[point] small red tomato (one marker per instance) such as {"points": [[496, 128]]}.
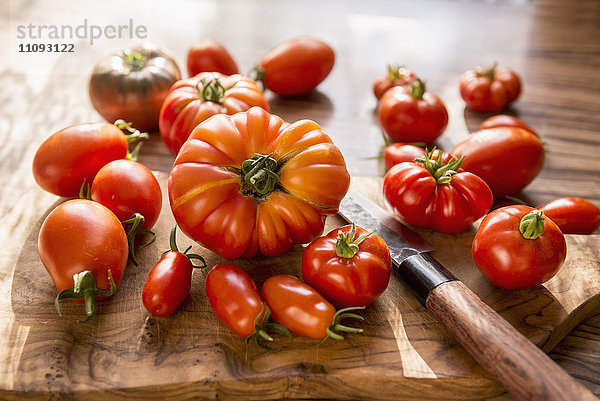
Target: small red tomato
{"points": [[517, 247], [507, 158], [573, 215], [400, 152], [396, 76], [169, 282], [298, 307], [83, 246], [436, 195], [410, 114], [296, 66], [209, 55], [489, 89], [503, 120], [348, 266]]}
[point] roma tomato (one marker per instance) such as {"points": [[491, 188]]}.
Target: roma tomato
{"points": [[348, 266], [303, 311], [77, 153], [434, 195], [517, 247], [251, 183], [193, 100], [169, 281], [507, 158], [489, 89], [83, 246], [396, 76], [573, 215], [410, 114], [503, 120], [400, 152], [132, 85], [209, 55], [296, 66]]}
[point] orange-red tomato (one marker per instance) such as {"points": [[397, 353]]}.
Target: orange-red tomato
{"points": [[209, 55], [573, 215], [191, 101], [251, 183], [396, 76], [503, 120], [489, 89]]}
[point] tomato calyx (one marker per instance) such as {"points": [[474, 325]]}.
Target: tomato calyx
{"points": [[261, 325], [259, 176], [136, 61], [487, 72], [258, 74], [337, 326], [131, 134], [442, 173], [174, 248], [84, 286], [416, 88], [346, 245], [213, 90], [136, 221], [532, 224]]}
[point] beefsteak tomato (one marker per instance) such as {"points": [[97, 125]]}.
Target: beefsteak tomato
{"points": [[573, 215], [209, 55], [489, 89]]}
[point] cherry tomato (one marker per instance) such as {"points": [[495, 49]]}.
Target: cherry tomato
{"points": [[77, 153], [169, 281], [434, 195], [490, 89], [251, 183], [396, 76], [83, 246], [127, 187], [410, 114], [132, 85], [517, 247], [400, 152], [209, 55], [573, 215], [302, 310], [507, 158], [193, 100], [503, 120], [296, 66], [348, 266]]}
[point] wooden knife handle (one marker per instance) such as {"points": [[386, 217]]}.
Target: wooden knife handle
{"points": [[519, 365]]}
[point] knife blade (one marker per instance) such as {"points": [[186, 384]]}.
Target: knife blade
{"points": [[519, 365]]}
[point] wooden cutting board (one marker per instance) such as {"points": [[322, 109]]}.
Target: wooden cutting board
{"points": [[126, 353]]}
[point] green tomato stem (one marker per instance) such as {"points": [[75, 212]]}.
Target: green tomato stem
{"points": [[532, 224], [84, 287], [259, 176], [346, 245], [417, 88]]}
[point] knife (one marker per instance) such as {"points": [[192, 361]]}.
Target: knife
{"points": [[518, 364]]}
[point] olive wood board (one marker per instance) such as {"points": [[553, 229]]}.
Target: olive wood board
{"points": [[126, 353]]}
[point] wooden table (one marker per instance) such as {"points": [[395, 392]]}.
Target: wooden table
{"points": [[554, 45]]}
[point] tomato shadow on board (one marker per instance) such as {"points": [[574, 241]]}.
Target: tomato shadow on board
{"points": [[315, 105], [473, 119]]}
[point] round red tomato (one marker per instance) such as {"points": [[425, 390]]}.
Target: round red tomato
{"points": [[251, 183], [396, 76], [296, 66], [77, 153], [516, 247], [573, 215], [193, 100], [84, 239], [489, 89], [127, 187], [400, 152], [503, 120], [302, 310], [434, 195], [410, 114], [507, 158], [348, 266], [209, 55], [132, 85]]}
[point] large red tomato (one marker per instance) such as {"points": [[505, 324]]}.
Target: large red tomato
{"points": [[489, 89], [396, 76], [209, 55], [191, 101], [507, 158], [410, 114], [517, 247], [434, 195], [348, 266], [251, 183]]}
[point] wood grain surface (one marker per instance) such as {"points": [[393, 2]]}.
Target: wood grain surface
{"points": [[554, 45]]}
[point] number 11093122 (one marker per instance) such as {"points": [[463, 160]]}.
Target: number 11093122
{"points": [[46, 48]]}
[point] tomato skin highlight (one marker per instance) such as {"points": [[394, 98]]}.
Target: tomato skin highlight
{"points": [[234, 298], [297, 306], [209, 55], [168, 284], [573, 215], [345, 282], [127, 187], [491, 89], [76, 153], [510, 261], [504, 120], [297, 66]]}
